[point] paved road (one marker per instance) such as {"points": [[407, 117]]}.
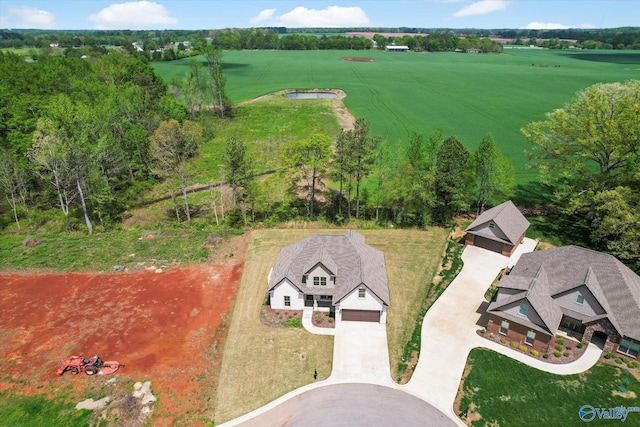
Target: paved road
{"points": [[352, 405]]}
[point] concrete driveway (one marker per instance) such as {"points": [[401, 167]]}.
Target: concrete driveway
{"points": [[361, 354], [450, 325]]}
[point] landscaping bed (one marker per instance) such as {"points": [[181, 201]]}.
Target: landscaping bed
{"points": [[561, 350]]}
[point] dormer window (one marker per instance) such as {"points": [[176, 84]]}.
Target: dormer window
{"points": [[580, 299], [523, 309], [304, 278], [492, 224], [361, 293], [333, 279]]}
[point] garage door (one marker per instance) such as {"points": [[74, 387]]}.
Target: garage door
{"points": [[361, 315], [489, 244]]}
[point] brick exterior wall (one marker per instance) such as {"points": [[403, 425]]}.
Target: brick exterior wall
{"points": [[518, 333]]}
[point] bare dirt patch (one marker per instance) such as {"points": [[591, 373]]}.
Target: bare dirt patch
{"points": [[166, 327], [358, 59]]}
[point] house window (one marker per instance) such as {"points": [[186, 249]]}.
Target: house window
{"points": [[580, 299], [319, 281], [304, 278], [323, 281], [571, 323], [287, 301], [325, 297], [531, 336], [361, 293], [491, 225], [504, 327], [523, 309], [629, 347]]}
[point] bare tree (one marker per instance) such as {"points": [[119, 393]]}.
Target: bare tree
{"points": [[173, 144]]}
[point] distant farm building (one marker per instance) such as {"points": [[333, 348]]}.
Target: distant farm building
{"points": [[394, 48]]}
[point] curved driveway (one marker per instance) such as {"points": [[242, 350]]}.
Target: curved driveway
{"points": [[351, 405]]}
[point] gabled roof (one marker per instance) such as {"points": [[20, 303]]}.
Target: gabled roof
{"points": [[538, 299], [347, 256], [507, 217], [614, 285]]}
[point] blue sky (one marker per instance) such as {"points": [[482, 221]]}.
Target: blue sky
{"points": [[214, 14]]}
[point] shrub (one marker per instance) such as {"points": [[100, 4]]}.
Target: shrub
{"points": [[569, 347], [608, 355], [503, 340], [580, 345], [618, 360], [492, 335], [522, 348], [535, 353], [560, 341], [566, 354], [557, 354], [483, 331], [513, 344], [558, 347], [633, 364], [546, 355]]}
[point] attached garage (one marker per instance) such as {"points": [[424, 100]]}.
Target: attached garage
{"points": [[488, 244], [361, 315]]}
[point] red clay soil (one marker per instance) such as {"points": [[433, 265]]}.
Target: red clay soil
{"points": [[161, 325]]}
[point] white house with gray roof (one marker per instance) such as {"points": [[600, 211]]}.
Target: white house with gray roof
{"points": [[588, 294], [500, 229], [333, 272]]}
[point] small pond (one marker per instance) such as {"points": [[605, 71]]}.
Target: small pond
{"points": [[311, 95]]}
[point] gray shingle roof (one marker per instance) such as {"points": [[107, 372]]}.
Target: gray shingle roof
{"points": [[347, 256], [507, 217], [613, 284]]}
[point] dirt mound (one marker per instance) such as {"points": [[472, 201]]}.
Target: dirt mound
{"points": [[165, 327], [358, 59]]}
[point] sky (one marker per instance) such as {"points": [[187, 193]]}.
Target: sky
{"points": [[218, 14]]}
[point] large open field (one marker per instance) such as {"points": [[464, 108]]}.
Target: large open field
{"points": [[466, 94]]}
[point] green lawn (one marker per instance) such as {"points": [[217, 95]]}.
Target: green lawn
{"points": [[466, 94], [133, 248], [507, 393]]}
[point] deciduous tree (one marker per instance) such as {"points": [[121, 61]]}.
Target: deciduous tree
{"points": [[590, 145], [495, 180]]}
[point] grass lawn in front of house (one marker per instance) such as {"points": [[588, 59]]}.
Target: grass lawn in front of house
{"points": [[261, 364], [501, 391]]}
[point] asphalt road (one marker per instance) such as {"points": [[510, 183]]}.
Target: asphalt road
{"points": [[352, 405]]}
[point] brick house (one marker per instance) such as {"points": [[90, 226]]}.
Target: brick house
{"points": [[339, 273], [499, 229], [590, 295]]}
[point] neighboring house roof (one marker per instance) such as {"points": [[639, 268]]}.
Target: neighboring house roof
{"points": [[508, 219], [346, 256], [542, 277]]}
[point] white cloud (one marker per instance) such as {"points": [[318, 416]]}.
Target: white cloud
{"points": [[482, 7], [332, 16], [587, 26], [545, 26], [263, 16], [133, 15], [29, 17]]}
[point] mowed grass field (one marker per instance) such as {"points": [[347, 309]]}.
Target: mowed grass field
{"points": [[468, 95], [261, 363]]}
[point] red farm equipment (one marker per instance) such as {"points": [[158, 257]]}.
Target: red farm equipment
{"points": [[93, 366]]}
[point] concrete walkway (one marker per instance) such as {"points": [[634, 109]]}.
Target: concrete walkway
{"points": [[307, 323]]}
